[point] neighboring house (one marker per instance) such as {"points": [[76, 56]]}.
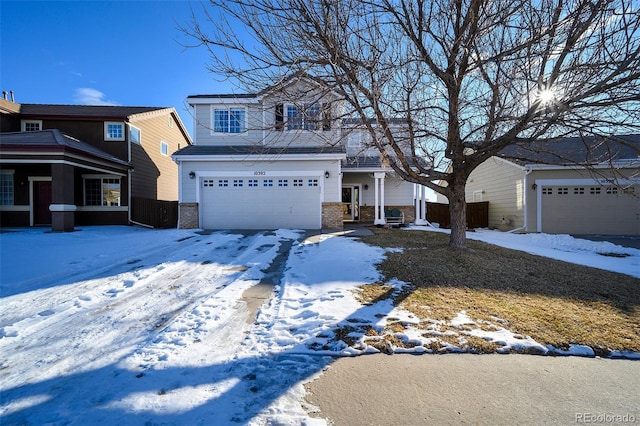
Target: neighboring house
{"points": [[283, 158], [67, 165], [541, 189]]}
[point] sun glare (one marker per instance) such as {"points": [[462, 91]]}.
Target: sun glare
{"points": [[546, 96]]}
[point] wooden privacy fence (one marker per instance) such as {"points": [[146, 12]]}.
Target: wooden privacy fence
{"points": [[477, 214], [155, 213]]}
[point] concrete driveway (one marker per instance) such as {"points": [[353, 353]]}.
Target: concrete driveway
{"points": [[477, 389]]}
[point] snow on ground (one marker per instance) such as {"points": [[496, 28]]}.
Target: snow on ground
{"points": [[597, 254], [126, 325]]}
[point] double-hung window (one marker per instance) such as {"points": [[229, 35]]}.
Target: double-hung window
{"points": [[102, 191], [6, 188], [229, 120], [304, 117]]}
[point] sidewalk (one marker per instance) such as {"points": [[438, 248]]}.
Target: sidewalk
{"points": [[477, 389]]}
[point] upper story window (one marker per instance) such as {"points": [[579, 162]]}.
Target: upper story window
{"points": [[113, 131], [306, 118], [303, 117], [164, 148], [31, 125], [355, 139], [229, 120], [135, 134]]}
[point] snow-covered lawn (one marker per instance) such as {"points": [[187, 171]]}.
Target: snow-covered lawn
{"points": [[125, 325]]}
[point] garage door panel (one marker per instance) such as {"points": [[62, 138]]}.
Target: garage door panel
{"points": [[279, 204], [589, 210]]}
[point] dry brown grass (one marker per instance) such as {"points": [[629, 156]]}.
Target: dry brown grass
{"points": [[554, 302]]}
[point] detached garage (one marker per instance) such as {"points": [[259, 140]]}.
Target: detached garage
{"points": [[249, 187]]}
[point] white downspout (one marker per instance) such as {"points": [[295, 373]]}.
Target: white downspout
{"points": [[525, 226]]}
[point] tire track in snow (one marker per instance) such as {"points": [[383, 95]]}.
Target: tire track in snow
{"points": [[102, 326]]}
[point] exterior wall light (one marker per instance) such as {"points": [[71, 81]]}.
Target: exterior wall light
{"points": [[326, 174], [366, 186], [192, 175]]}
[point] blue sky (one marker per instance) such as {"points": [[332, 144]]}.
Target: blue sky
{"points": [[125, 52]]}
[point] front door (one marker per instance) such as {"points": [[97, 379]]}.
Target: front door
{"points": [[351, 203], [41, 202]]}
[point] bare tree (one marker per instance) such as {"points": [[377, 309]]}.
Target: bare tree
{"points": [[470, 77]]}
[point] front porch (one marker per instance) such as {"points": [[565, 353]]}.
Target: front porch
{"points": [[366, 195]]}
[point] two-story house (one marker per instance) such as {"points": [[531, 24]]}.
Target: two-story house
{"points": [[67, 165], [284, 158]]}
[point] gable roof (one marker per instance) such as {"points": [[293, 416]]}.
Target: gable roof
{"points": [[588, 150], [52, 140], [91, 112]]}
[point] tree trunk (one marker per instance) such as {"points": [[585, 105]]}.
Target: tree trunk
{"points": [[458, 215]]}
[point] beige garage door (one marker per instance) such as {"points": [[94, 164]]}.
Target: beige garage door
{"points": [[590, 210], [261, 203]]}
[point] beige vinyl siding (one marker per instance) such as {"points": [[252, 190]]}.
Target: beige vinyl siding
{"points": [[156, 175], [502, 184]]}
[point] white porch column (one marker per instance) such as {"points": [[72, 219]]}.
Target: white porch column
{"points": [[421, 205], [379, 201]]}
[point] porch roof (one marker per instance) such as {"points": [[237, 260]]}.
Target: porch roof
{"points": [[52, 140], [362, 163], [367, 163]]}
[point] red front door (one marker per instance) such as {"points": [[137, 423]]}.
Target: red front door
{"points": [[41, 202]]}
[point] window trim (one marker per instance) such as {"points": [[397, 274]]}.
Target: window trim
{"points": [[106, 130], [319, 122], [228, 109], [131, 139], [23, 125], [101, 178], [10, 173]]}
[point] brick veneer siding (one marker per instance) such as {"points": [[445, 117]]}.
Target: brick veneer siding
{"points": [[332, 216], [188, 216], [367, 213]]}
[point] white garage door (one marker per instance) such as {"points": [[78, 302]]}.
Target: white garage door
{"points": [[589, 210], [261, 203]]}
